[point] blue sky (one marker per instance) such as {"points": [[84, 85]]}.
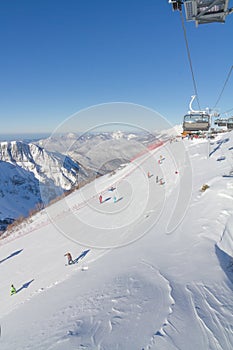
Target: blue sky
{"points": [[59, 57]]}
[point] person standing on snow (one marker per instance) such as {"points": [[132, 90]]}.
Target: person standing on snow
{"points": [[13, 290], [69, 257], [161, 182], [100, 199]]}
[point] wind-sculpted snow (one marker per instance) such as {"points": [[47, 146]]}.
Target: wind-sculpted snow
{"points": [[107, 315], [214, 312], [98, 319]]}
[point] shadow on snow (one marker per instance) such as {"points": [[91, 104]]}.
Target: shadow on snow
{"points": [[119, 199], [219, 144], [11, 256], [226, 263], [81, 256], [24, 286]]}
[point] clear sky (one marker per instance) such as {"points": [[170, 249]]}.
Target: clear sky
{"points": [[61, 56]]}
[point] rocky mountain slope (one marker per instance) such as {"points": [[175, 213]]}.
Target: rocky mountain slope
{"points": [[30, 175]]}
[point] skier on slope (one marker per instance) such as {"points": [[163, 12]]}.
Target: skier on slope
{"points": [[100, 199], [13, 290], [69, 258], [161, 182]]}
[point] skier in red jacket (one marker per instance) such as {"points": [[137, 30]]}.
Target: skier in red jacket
{"points": [[69, 257]]}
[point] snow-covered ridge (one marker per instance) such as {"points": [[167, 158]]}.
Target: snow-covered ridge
{"points": [[29, 175], [44, 165]]}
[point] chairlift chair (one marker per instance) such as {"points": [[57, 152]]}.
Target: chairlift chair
{"points": [[204, 11], [196, 120], [221, 122], [230, 123]]}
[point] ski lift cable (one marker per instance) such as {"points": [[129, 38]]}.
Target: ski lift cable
{"points": [[220, 95], [189, 58], [229, 110]]}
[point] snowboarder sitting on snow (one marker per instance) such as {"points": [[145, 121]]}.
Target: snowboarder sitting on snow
{"points": [[13, 290], [69, 257]]}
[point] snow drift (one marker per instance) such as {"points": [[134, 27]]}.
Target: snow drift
{"points": [[226, 243]]}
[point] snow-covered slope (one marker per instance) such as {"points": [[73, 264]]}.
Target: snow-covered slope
{"points": [[172, 132], [159, 259], [29, 175]]}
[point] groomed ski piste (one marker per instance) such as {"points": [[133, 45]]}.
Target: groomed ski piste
{"points": [[156, 270]]}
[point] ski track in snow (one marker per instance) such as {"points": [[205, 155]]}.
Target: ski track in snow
{"points": [[135, 164]]}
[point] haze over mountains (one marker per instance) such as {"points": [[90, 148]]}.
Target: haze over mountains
{"points": [[102, 151]]}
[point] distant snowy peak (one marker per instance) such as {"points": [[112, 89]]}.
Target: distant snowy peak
{"points": [[71, 135], [131, 136], [117, 135]]}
